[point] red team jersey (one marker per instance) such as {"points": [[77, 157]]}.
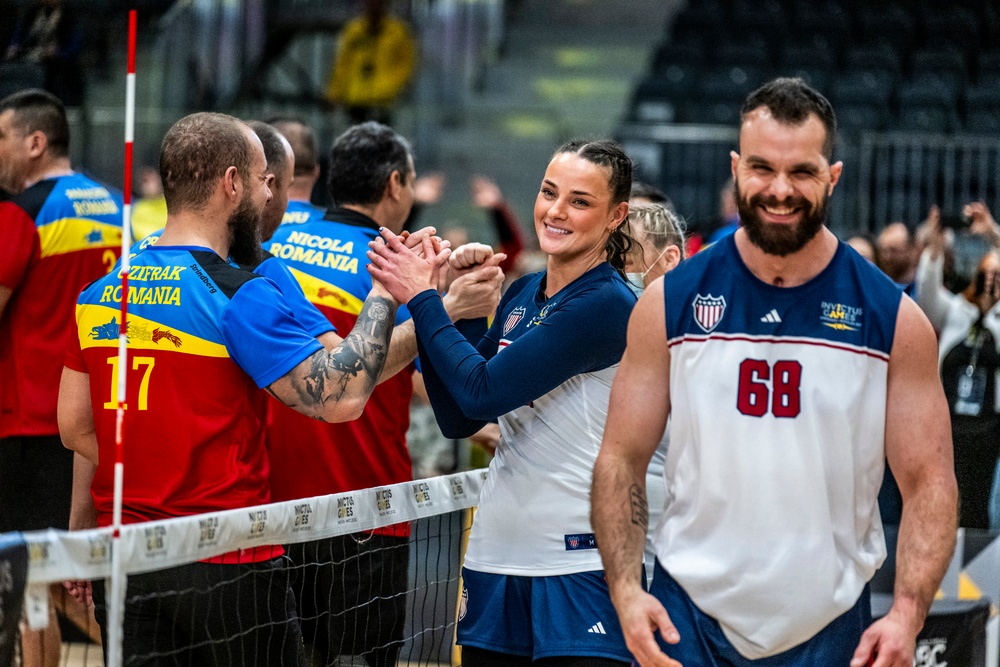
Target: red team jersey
{"points": [[58, 235], [311, 458], [203, 338]]}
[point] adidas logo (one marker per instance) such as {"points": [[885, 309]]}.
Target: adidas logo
{"points": [[598, 629], [772, 317]]}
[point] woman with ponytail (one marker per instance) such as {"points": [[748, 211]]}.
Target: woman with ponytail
{"points": [[534, 583]]}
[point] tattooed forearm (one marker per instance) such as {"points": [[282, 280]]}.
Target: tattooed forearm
{"points": [[350, 369], [640, 508]]}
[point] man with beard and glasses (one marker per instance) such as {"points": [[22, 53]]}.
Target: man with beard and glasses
{"points": [[791, 369], [204, 335]]}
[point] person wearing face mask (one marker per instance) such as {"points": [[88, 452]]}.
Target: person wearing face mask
{"points": [[660, 233], [661, 236], [969, 356]]}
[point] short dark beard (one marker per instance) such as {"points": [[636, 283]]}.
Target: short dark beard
{"points": [[244, 235], [780, 240]]}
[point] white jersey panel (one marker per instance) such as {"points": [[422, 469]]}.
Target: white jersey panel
{"points": [[536, 500], [784, 526], [777, 443]]}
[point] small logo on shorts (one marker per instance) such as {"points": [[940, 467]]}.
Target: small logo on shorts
{"points": [[597, 629], [463, 606]]}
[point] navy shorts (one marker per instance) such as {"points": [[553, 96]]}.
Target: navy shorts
{"points": [[540, 617], [703, 643]]}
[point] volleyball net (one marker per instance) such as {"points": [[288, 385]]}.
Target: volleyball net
{"points": [[370, 577]]}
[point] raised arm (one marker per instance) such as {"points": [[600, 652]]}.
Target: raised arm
{"points": [[931, 294], [637, 416], [471, 296], [919, 449]]}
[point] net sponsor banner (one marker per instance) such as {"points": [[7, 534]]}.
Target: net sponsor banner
{"points": [[13, 576], [57, 555]]}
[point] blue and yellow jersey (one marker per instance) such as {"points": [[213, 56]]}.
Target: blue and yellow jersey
{"points": [[59, 234], [327, 258], [275, 270], [203, 336], [299, 212]]}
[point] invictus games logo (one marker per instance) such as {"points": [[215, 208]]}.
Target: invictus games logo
{"points": [[840, 317], [345, 509], [38, 552], [208, 530], [303, 517], [930, 652], [457, 488], [155, 540], [542, 314], [383, 501], [100, 548], [422, 493], [258, 522]]}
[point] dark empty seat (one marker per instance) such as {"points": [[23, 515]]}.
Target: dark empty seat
{"points": [[766, 17], [676, 81], [700, 16], [20, 76], [812, 16], [686, 52], [743, 54], [951, 25], [983, 97], [926, 88], [887, 23], [725, 84], [816, 77], [947, 60], [863, 87], [932, 119], [798, 55], [818, 38], [982, 122], [876, 55], [712, 113], [856, 117], [988, 65]]}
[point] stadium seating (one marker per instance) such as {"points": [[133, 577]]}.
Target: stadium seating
{"points": [[914, 65]]}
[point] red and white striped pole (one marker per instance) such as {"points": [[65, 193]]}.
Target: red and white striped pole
{"points": [[116, 610]]}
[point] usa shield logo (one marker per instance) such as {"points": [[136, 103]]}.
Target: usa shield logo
{"points": [[512, 319], [708, 311]]}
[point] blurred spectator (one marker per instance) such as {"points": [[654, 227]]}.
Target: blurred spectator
{"points": [[485, 194], [969, 354], [49, 34], [660, 235], [150, 212], [864, 244], [729, 215], [61, 230], [374, 63], [644, 193], [303, 142], [898, 253]]}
